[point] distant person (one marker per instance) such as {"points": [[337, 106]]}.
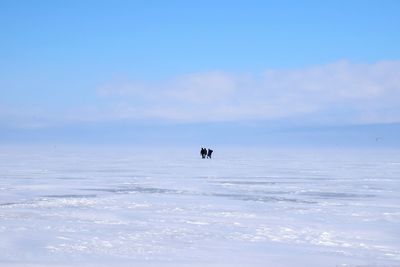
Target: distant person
{"points": [[210, 151], [203, 152]]}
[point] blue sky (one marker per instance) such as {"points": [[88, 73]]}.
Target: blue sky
{"points": [[68, 63]]}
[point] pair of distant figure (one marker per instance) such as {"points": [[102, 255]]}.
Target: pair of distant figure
{"points": [[206, 152]]}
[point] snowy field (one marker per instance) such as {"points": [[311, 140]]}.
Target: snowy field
{"points": [[126, 207]]}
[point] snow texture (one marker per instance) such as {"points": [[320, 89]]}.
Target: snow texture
{"points": [[130, 207]]}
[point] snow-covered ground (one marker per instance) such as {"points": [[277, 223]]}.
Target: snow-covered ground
{"points": [[244, 207]]}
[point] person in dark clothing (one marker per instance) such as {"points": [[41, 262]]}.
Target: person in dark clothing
{"points": [[203, 152], [210, 151]]}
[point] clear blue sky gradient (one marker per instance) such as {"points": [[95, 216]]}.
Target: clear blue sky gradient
{"points": [[54, 54]]}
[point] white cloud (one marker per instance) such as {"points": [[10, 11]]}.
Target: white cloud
{"points": [[338, 92]]}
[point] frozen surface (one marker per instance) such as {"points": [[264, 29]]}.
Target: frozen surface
{"points": [[127, 207]]}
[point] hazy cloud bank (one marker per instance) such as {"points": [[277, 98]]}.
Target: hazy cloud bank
{"points": [[337, 93], [340, 92]]}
